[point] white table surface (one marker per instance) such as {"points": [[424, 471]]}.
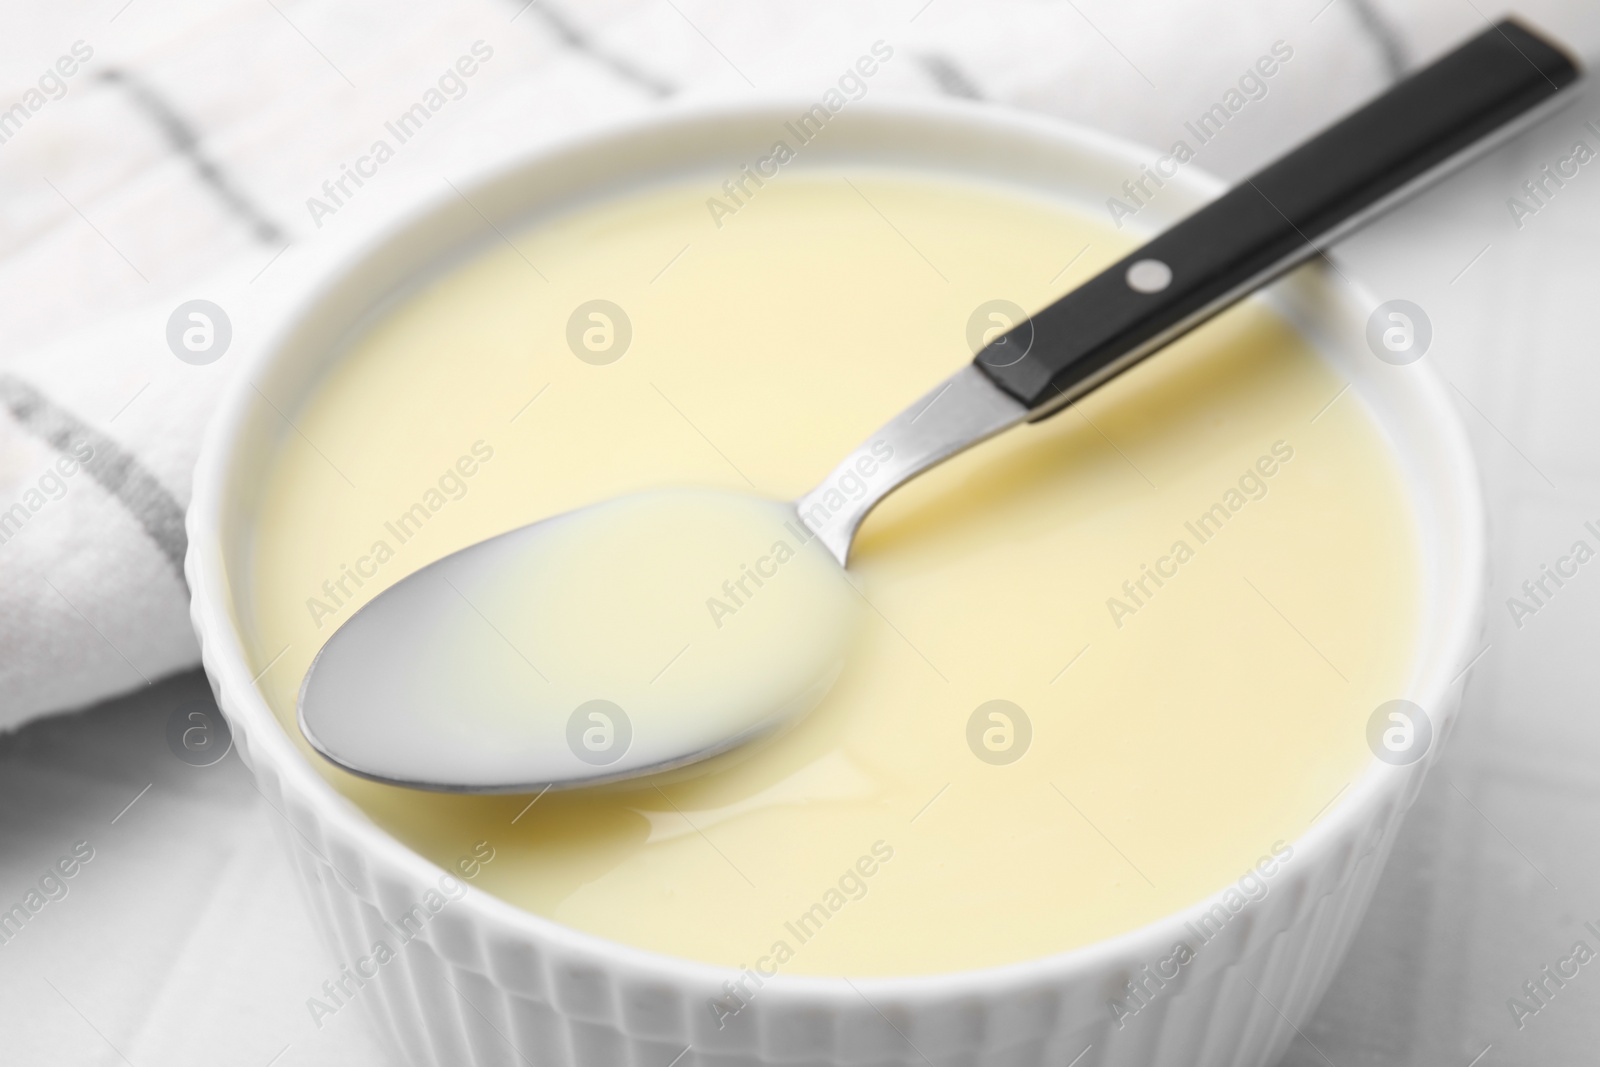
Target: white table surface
{"points": [[184, 940]]}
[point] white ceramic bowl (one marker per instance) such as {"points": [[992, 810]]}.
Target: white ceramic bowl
{"points": [[487, 983]]}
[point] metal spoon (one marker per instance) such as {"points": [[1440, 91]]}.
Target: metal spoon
{"points": [[378, 699]]}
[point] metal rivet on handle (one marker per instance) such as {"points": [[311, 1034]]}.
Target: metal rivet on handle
{"points": [[1149, 276]]}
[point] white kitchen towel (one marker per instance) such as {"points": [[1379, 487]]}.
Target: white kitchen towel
{"points": [[156, 154]]}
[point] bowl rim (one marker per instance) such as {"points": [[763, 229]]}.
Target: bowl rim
{"points": [[213, 605]]}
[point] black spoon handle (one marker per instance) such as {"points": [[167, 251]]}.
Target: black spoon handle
{"points": [[1280, 217]]}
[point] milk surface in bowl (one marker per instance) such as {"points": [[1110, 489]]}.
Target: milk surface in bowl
{"points": [[1113, 661]]}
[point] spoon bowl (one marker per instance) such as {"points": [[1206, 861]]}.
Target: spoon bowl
{"points": [[625, 638]]}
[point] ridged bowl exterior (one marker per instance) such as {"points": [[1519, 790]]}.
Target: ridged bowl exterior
{"points": [[484, 984]]}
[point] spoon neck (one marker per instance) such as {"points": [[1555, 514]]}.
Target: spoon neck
{"points": [[963, 410]]}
